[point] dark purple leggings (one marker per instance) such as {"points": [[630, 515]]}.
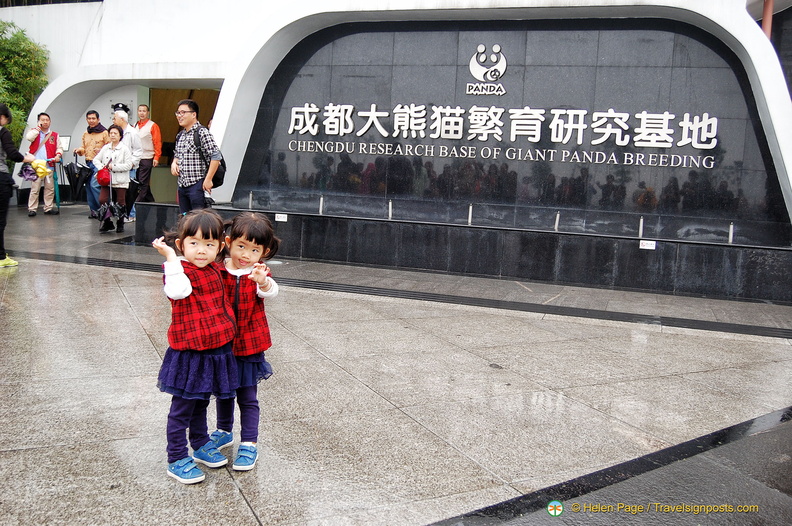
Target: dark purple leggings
{"points": [[186, 413], [247, 398]]}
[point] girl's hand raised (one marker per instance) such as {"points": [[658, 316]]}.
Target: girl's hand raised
{"points": [[164, 249], [259, 274]]}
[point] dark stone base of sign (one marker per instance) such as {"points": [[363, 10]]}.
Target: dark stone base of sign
{"points": [[685, 268]]}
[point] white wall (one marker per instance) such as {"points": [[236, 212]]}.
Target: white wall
{"points": [[61, 28], [103, 104], [756, 7]]}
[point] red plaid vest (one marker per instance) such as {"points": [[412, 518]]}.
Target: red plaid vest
{"points": [[253, 334], [204, 319]]}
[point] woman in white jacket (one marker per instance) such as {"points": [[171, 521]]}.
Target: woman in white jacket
{"points": [[116, 156]]}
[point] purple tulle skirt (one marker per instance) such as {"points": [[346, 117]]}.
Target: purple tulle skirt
{"points": [[253, 369], [199, 375]]}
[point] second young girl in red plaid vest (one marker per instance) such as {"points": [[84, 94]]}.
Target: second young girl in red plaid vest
{"points": [[249, 242], [199, 362]]}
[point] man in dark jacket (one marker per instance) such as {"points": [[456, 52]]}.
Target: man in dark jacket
{"points": [[7, 151]]}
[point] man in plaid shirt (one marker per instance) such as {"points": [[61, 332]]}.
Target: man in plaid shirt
{"points": [[194, 179]]}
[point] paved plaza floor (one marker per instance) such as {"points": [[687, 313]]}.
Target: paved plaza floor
{"points": [[399, 398]]}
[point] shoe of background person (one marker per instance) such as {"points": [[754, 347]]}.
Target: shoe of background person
{"points": [[131, 219], [107, 226], [221, 439], [8, 262], [52, 211], [246, 457], [186, 471], [31, 213], [210, 456]]}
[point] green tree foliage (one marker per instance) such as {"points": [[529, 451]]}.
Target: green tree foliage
{"points": [[23, 74]]}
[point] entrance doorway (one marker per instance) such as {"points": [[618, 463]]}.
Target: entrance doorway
{"points": [[163, 103]]}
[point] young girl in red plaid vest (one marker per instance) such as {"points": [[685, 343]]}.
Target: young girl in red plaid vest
{"points": [[248, 282], [199, 362]]}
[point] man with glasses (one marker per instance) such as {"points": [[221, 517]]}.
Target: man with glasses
{"points": [[194, 177]]}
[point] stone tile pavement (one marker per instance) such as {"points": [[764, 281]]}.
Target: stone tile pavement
{"points": [[382, 410]]}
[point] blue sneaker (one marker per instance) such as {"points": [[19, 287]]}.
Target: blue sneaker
{"points": [[246, 457], [221, 439], [186, 471], [208, 455]]}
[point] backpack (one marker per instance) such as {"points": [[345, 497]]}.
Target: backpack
{"points": [[219, 177]]}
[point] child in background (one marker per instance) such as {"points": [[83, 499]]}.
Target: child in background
{"points": [[199, 362], [249, 242]]}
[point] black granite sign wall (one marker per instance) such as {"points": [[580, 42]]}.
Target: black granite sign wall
{"points": [[604, 121], [673, 267]]}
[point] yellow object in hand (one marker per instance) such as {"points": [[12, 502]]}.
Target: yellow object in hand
{"points": [[40, 166]]}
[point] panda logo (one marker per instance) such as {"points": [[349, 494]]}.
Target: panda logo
{"points": [[486, 68]]}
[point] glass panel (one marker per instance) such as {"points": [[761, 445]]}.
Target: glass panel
{"points": [[602, 127]]}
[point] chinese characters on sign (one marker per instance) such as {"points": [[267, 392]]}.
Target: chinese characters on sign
{"points": [[654, 130], [479, 123]]}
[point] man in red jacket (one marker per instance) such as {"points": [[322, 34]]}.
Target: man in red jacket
{"points": [[44, 145]]}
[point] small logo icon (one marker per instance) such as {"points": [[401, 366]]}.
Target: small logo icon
{"points": [[487, 68], [555, 508]]}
